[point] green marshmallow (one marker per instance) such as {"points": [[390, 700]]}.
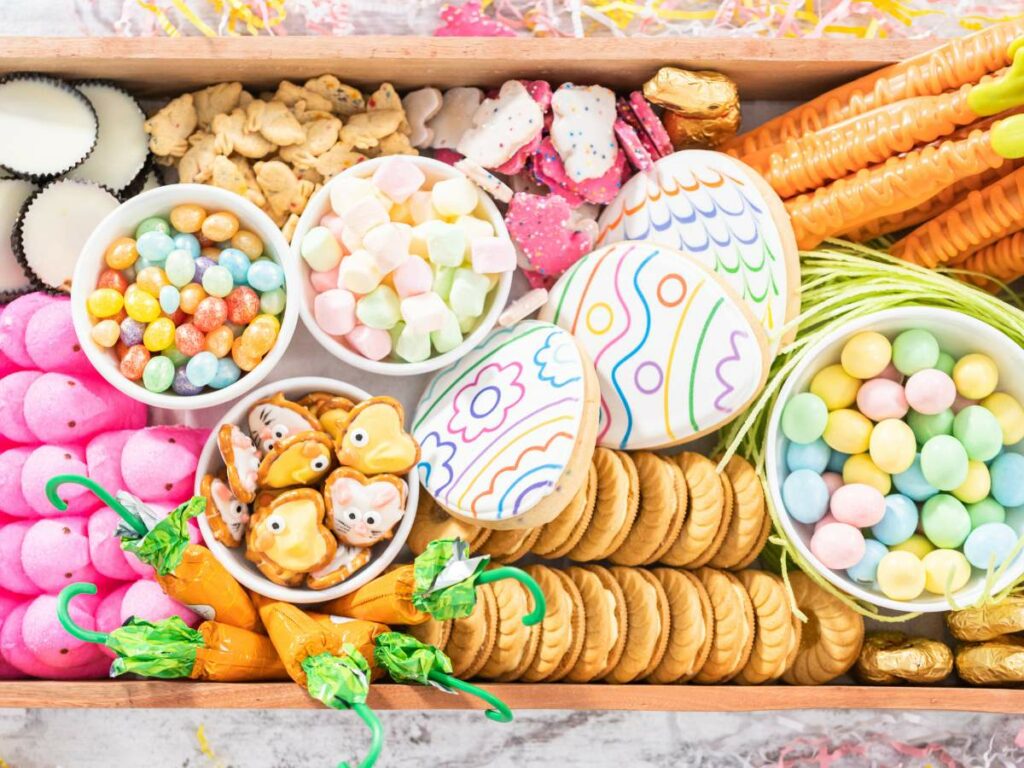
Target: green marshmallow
{"points": [[467, 323], [946, 521], [988, 510], [468, 292], [448, 336], [413, 347], [443, 277], [380, 308], [944, 463], [926, 426], [914, 350], [979, 431], [804, 418]]}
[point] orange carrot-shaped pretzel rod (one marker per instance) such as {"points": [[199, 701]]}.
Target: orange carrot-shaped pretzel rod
{"points": [[959, 61], [901, 183], [977, 221], [805, 163], [1003, 260]]}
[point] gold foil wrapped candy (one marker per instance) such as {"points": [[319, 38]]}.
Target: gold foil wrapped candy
{"points": [[702, 109], [988, 621], [997, 662], [889, 658]]}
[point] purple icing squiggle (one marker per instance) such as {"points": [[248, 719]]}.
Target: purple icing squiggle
{"points": [[734, 357]]}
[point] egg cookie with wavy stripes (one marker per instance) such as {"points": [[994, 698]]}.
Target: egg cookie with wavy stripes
{"points": [[682, 510], [615, 507], [734, 626], [831, 638], [656, 514], [555, 629], [750, 523], [432, 522], [563, 533], [510, 546], [472, 639], [707, 519], [691, 627], [774, 638], [647, 624], [605, 620]]}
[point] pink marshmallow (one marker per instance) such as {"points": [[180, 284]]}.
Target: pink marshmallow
{"points": [[159, 463], [334, 223], [492, 255], [55, 553], [371, 343], [14, 322], [61, 408], [8, 602], [12, 461], [49, 641], [103, 457], [323, 281], [51, 341], [17, 654], [424, 313], [49, 460], [13, 390], [335, 311], [108, 612], [413, 277], [362, 216], [105, 547], [388, 244], [398, 178], [146, 600], [12, 575]]}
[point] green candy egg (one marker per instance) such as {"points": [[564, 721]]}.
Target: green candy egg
{"points": [[926, 426], [158, 374], [945, 521], [914, 350], [978, 430], [152, 224], [945, 363], [804, 418], [944, 463], [988, 510]]}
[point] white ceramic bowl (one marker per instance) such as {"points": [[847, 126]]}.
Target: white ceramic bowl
{"points": [[234, 560], [958, 334], [122, 221], [320, 204]]}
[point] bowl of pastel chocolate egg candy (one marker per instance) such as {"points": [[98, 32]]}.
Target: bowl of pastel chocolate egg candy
{"points": [[181, 296], [895, 458], [405, 264]]}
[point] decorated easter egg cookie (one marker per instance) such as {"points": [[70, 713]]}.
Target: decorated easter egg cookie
{"points": [[373, 438], [287, 537], [363, 510], [226, 514], [718, 210], [241, 461], [276, 418], [302, 459], [677, 352], [507, 432]]}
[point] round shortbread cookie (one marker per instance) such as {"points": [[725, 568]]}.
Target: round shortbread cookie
{"points": [[555, 629], [647, 624], [656, 513], [432, 632], [611, 509], [773, 631], [473, 638], [589, 500], [558, 531], [830, 640], [682, 509], [706, 516], [579, 628], [734, 626], [691, 625], [747, 532], [606, 623]]}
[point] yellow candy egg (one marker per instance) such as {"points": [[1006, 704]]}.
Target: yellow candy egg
{"points": [[861, 469], [141, 305], [219, 341], [121, 253], [848, 431], [1010, 415], [187, 218], [917, 545], [866, 354], [190, 297], [106, 333], [104, 302], [151, 280], [248, 243], [836, 387], [975, 376], [220, 226], [892, 446], [159, 334], [945, 566], [900, 575], [977, 485]]}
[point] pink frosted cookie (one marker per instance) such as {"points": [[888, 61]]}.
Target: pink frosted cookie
{"points": [[637, 154], [61, 408], [146, 600], [468, 20], [549, 170], [540, 228], [49, 641], [103, 458], [501, 126], [105, 546], [540, 92], [55, 553], [159, 464], [13, 424], [14, 322], [46, 461], [11, 463], [649, 124], [484, 179], [12, 575], [51, 342], [17, 654]]}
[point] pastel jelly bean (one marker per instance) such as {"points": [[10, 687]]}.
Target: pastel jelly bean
{"points": [[448, 336], [1007, 473], [901, 576], [189, 243], [201, 369], [111, 278], [203, 264], [944, 462], [945, 521], [866, 355], [265, 275], [131, 332], [914, 350], [141, 306], [837, 461], [899, 521], [804, 418], [857, 504], [151, 280], [158, 374], [320, 249], [412, 346], [187, 217], [866, 569], [181, 385], [813, 456], [988, 510], [173, 354], [159, 335], [398, 178], [190, 296], [371, 343], [930, 391], [219, 340], [170, 299], [180, 267], [220, 226], [335, 311], [979, 432], [380, 308], [892, 446], [152, 224], [248, 243], [414, 277], [241, 305], [976, 376], [358, 273], [217, 281], [492, 255], [861, 469], [881, 399], [189, 340], [927, 426], [848, 431], [424, 312], [945, 363], [237, 263], [805, 495], [121, 253], [104, 302], [977, 485], [1010, 415], [454, 197], [836, 387], [272, 302], [227, 373], [154, 246], [917, 545], [211, 313], [838, 546], [988, 545], [106, 333], [945, 569], [389, 245]]}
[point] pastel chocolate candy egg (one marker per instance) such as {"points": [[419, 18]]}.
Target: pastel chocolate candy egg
{"points": [[918, 545], [1015, 519], [930, 391], [927, 426], [977, 485], [835, 386], [989, 545], [979, 432], [892, 446], [945, 363], [805, 495], [1007, 473], [987, 510], [881, 399], [857, 504], [836, 461], [826, 520], [866, 354], [813, 456], [914, 350], [848, 431], [890, 373], [945, 521], [976, 376], [861, 469], [833, 481], [901, 576], [1010, 415], [944, 462], [899, 521], [321, 249], [838, 546], [804, 418], [866, 568], [945, 569]]}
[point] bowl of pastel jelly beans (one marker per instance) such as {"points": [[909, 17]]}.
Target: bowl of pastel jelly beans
{"points": [[405, 264], [896, 461], [180, 297]]}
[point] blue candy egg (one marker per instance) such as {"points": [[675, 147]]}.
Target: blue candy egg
{"points": [[237, 264], [265, 275], [170, 299], [186, 242], [836, 460], [202, 368], [1015, 519], [182, 385], [154, 246], [805, 495], [912, 483], [227, 373], [866, 569], [989, 545], [813, 456], [1007, 473], [899, 521]]}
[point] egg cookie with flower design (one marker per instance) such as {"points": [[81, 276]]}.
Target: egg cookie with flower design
{"points": [[363, 510], [287, 537]]}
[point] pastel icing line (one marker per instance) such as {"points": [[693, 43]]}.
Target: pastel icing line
{"points": [[498, 428], [708, 205], [677, 352]]}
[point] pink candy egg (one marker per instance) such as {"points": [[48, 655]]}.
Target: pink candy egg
{"points": [[838, 546], [833, 481], [880, 399], [828, 519], [930, 391], [890, 373], [857, 504], [962, 402]]}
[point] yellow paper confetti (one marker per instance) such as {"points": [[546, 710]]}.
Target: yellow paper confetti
{"points": [[204, 747]]}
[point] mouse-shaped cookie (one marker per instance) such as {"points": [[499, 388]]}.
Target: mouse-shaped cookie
{"points": [[346, 561], [287, 537], [225, 513], [241, 461], [302, 459], [373, 439], [363, 510], [274, 419]]}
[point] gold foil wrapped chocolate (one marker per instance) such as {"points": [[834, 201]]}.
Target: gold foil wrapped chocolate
{"points": [[989, 621], [702, 109], [889, 658], [997, 662]]}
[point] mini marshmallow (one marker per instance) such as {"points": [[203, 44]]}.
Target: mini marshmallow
{"points": [[333, 223], [363, 215], [159, 463], [14, 323], [413, 277], [146, 600], [12, 461], [443, 277], [379, 308], [371, 343], [448, 336], [335, 311], [467, 323], [103, 457], [358, 273], [321, 249], [105, 547], [402, 214], [49, 641], [46, 461], [324, 281], [398, 178], [347, 191], [423, 313], [55, 553], [412, 347], [51, 341], [446, 243], [12, 406], [454, 197], [421, 208], [468, 292], [389, 245], [492, 255], [474, 227], [12, 575], [351, 240]]}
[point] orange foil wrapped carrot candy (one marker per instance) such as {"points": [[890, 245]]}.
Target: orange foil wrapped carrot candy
{"points": [[1003, 260]]}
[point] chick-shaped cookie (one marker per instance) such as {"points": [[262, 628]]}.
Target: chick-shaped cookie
{"points": [[345, 100], [241, 462], [346, 561], [226, 515], [321, 135], [285, 192], [287, 537], [170, 128], [302, 459], [332, 413], [363, 510], [276, 418], [373, 440], [291, 94]]}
